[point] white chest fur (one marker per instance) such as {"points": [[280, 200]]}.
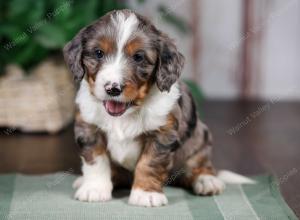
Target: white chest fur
{"points": [[124, 152], [122, 131]]}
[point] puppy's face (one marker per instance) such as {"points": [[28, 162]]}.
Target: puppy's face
{"points": [[122, 55]]}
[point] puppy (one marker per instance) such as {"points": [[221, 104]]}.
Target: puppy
{"points": [[136, 123]]}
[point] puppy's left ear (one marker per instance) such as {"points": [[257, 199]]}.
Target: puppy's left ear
{"points": [[170, 64]]}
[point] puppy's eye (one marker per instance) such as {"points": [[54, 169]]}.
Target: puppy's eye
{"points": [[138, 57], [99, 54]]}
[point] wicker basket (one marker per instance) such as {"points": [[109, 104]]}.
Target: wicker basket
{"points": [[42, 101]]}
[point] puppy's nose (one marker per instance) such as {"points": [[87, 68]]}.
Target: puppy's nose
{"points": [[113, 89]]}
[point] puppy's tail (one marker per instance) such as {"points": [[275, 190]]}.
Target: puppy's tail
{"points": [[233, 178]]}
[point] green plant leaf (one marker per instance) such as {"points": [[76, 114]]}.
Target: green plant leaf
{"points": [[18, 7], [51, 36], [65, 13], [37, 12], [90, 10], [10, 31], [23, 55]]}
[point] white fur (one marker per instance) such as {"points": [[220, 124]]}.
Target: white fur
{"points": [[208, 185], [233, 178], [140, 197], [124, 129], [95, 185], [125, 152], [125, 26], [111, 72], [78, 182]]}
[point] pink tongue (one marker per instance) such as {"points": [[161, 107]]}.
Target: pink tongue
{"points": [[115, 107]]}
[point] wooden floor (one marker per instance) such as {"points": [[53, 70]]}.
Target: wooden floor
{"points": [[250, 138]]}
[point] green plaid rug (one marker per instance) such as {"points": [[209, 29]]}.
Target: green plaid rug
{"points": [[50, 197]]}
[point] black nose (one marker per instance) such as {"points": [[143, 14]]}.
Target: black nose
{"points": [[113, 90]]}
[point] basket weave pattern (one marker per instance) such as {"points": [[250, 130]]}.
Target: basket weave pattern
{"points": [[42, 101]]}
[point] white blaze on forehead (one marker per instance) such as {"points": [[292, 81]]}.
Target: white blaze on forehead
{"points": [[125, 26], [112, 71]]}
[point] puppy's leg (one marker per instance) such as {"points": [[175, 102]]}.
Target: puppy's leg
{"points": [[154, 165], [150, 175], [201, 176], [95, 184], [193, 168]]}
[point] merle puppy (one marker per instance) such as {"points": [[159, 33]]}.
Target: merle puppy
{"points": [[136, 123]]}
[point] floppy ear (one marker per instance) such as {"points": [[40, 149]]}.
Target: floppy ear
{"points": [[170, 64], [72, 53]]}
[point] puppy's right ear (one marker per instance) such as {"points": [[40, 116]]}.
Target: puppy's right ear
{"points": [[72, 53]]}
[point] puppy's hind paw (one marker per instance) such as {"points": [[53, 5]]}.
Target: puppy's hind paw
{"points": [[208, 185]]}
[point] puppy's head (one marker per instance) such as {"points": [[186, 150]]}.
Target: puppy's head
{"points": [[122, 55]]}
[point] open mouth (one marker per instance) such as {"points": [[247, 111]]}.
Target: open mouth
{"points": [[115, 108]]}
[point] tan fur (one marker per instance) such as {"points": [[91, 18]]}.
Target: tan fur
{"points": [[171, 123], [107, 45], [133, 46], [130, 90], [136, 93], [91, 82], [89, 154], [187, 180], [150, 177], [142, 93]]}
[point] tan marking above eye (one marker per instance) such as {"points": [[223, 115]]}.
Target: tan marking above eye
{"points": [[107, 45], [133, 46]]}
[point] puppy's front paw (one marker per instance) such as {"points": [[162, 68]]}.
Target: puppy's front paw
{"points": [[78, 182], [140, 197], [93, 191], [208, 185]]}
